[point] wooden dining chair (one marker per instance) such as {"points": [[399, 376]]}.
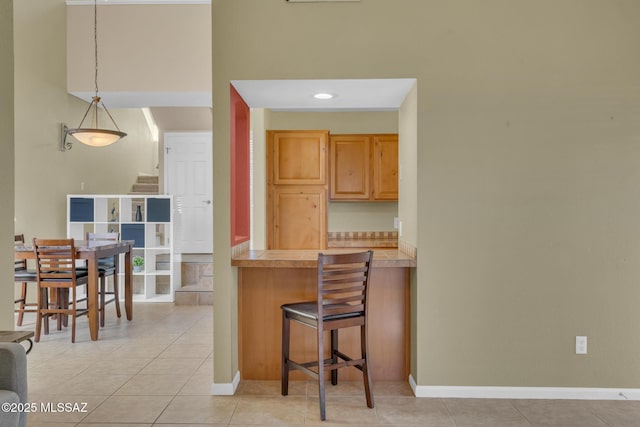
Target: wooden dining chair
{"points": [[24, 276], [107, 267], [343, 287], [56, 273]]}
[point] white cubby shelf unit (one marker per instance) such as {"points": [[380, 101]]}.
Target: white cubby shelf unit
{"points": [[146, 219]]}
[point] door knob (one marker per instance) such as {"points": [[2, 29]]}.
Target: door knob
{"points": [[207, 202]]}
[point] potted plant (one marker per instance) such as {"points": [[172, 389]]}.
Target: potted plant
{"points": [[138, 264]]}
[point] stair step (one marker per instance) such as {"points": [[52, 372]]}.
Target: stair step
{"points": [[195, 288], [193, 295], [144, 189], [147, 179]]}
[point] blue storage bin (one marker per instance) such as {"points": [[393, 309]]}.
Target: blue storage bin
{"points": [[80, 209], [133, 232], [158, 210]]}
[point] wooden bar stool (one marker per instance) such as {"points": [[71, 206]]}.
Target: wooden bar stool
{"points": [[343, 286], [23, 275], [107, 267], [56, 269]]}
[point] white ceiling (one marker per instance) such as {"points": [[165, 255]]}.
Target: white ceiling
{"points": [[149, 99], [349, 94], [182, 111], [114, 2], [182, 118]]}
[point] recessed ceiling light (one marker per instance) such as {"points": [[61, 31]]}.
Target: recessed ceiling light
{"points": [[323, 95]]}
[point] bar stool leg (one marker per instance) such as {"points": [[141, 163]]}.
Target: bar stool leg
{"points": [[321, 371], [334, 357], [365, 366], [284, 374]]}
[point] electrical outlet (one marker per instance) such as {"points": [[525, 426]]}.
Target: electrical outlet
{"points": [[581, 345]]}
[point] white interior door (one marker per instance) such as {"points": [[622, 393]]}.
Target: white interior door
{"points": [[189, 178]]}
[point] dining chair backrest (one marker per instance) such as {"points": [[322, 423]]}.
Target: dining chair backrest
{"points": [[19, 264], [102, 236], [55, 261], [23, 276], [56, 272]]}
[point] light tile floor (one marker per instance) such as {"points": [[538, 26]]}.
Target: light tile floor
{"points": [[157, 370]]}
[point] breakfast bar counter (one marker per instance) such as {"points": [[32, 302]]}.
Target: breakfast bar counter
{"points": [[308, 258], [269, 278]]}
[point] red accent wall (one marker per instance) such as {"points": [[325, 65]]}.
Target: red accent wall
{"points": [[240, 172]]}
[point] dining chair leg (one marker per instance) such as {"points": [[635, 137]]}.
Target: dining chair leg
{"points": [[116, 290], [23, 302], [62, 303], [284, 373], [46, 316], [39, 316], [321, 372], [74, 301], [103, 291], [365, 366], [59, 305]]}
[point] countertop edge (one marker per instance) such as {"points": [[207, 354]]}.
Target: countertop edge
{"points": [[308, 258]]}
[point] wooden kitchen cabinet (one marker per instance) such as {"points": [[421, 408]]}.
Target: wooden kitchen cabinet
{"points": [[350, 167], [385, 167], [299, 217], [297, 165], [364, 167], [298, 157]]}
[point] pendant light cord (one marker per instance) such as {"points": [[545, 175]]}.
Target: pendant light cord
{"points": [[95, 40], [93, 106]]}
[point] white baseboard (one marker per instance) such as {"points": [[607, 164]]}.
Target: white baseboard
{"points": [[577, 393], [226, 389]]}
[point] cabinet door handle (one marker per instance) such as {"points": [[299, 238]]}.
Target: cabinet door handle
{"points": [[207, 202]]}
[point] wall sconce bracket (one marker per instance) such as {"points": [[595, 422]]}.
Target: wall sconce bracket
{"points": [[64, 131]]}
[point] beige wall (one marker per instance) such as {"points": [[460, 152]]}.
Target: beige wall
{"points": [[259, 119], [44, 175], [142, 48], [408, 209], [6, 161], [408, 168], [527, 154]]}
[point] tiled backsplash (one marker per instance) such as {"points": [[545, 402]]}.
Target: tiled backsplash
{"points": [[362, 239], [240, 249], [407, 248]]}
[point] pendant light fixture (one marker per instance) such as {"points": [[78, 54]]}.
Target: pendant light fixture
{"points": [[93, 135]]}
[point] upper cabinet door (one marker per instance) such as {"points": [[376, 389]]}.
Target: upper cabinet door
{"points": [[385, 168], [298, 157], [350, 167]]}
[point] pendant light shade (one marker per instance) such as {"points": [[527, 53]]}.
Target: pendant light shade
{"points": [[96, 137], [93, 135]]}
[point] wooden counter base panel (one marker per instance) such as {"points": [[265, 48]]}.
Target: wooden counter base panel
{"points": [[261, 292]]}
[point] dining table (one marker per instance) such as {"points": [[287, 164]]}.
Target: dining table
{"points": [[92, 251]]}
